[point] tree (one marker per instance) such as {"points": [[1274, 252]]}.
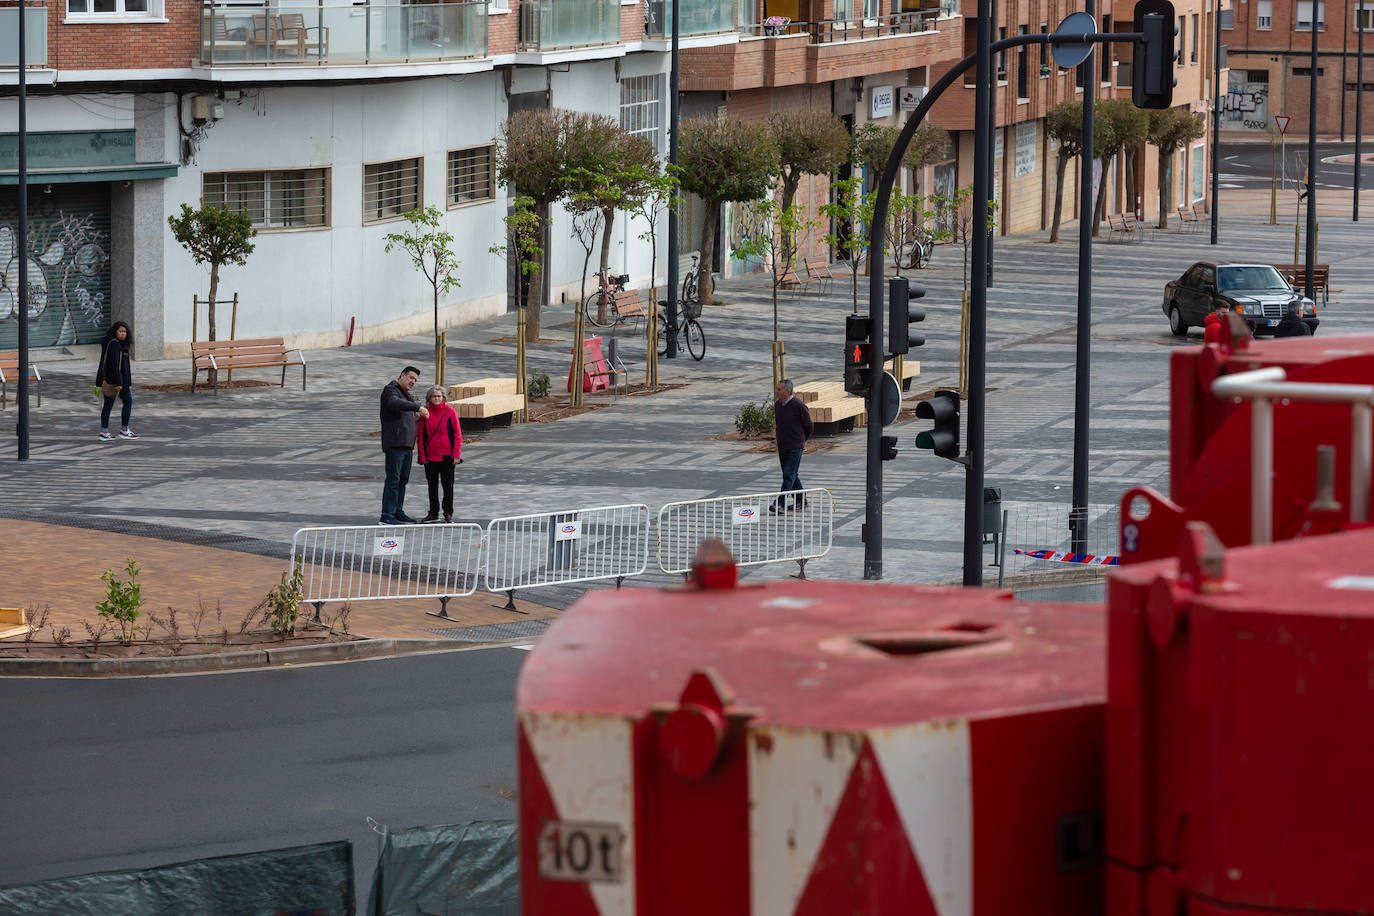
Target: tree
{"points": [[1170, 130], [777, 245], [524, 231], [1064, 123], [852, 209], [430, 250], [660, 193], [874, 142], [723, 161], [214, 236], [811, 141], [1127, 126], [608, 166]]}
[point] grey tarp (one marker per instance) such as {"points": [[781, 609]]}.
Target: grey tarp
{"points": [[317, 880], [453, 870]]}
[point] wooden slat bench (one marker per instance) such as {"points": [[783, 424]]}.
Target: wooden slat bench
{"points": [[1189, 217], [791, 281], [1296, 275], [481, 412], [811, 392], [1122, 226], [910, 369], [819, 271], [13, 622], [481, 386], [215, 356], [629, 306], [9, 372], [837, 415]]}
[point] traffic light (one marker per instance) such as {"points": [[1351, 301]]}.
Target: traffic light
{"points": [[858, 354], [889, 448], [943, 439], [900, 314], [1152, 85]]}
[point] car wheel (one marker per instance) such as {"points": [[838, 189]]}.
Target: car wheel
{"points": [[1176, 323]]}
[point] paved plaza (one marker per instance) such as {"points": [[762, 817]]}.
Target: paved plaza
{"points": [[244, 470]]}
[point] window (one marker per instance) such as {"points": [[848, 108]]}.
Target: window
{"points": [[1192, 56], [1264, 15], [1001, 57], [641, 107], [1364, 15], [1044, 52], [390, 189], [1257, 76], [1105, 53], [470, 175], [1182, 37], [1023, 69], [1302, 22], [285, 199], [1307, 71], [1199, 171], [130, 9]]}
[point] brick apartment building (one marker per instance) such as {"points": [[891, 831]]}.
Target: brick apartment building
{"points": [[1271, 65], [327, 121]]}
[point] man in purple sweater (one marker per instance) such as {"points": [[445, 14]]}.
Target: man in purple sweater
{"points": [[791, 429]]}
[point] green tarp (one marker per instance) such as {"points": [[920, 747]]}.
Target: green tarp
{"points": [[453, 870], [315, 880]]}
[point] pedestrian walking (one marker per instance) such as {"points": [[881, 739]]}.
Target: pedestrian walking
{"points": [[398, 441], [440, 446], [791, 429], [1292, 325], [113, 379]]}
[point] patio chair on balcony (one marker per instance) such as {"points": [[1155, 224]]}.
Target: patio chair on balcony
{"points": [[293, 25], [270, 40], [217, 43]]}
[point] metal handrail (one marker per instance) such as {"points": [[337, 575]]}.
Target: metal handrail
{"points": [[830, 31]]}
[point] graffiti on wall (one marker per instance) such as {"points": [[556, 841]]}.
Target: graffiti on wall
{"points": [[744, 224], [1246, 104], [67, 267]]}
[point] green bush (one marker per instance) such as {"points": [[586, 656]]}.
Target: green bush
{"points": [[282, 606], [755, 419], [122, 601], [538, 384]]}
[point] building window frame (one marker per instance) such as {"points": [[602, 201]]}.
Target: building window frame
{"points": [[1362, 16], [471, 175], [1301, 25], [78, 11], [1264, 15], [392, 188], [262, 194], [641, 107], [1192, 54]]}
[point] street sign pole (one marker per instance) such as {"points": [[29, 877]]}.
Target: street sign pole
{"points": [[1308, 289], [23, 227]]}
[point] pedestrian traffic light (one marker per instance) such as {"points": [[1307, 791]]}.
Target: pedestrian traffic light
{"points": [[858, 354], [943, 439], [900, 314], [1152, 85], [889, 448]]}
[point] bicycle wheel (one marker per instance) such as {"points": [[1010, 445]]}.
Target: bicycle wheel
{"points": [[689, 287], [696, 340], [592, 306], [924, 249], [662, 336]]}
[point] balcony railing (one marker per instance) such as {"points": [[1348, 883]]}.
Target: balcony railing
{"points": [[342, 34], [699, 17], [35, 36], [872, 27], [548, 25]]}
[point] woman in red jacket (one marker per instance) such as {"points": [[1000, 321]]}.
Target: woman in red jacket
{"points": [[439, 444]]}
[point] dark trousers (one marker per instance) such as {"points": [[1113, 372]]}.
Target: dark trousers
{"points": [[397, 476], [437, 472], [790, 459], [126, 394]]}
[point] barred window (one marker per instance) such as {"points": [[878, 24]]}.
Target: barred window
{"points": [[469, 175], [391, 189], [284, 199], [641, 107]]}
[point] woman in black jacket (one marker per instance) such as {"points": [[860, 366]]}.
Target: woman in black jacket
{"points": [[112, 378]]}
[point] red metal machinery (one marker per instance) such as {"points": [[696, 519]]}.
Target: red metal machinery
{"points": [[812, 748]]}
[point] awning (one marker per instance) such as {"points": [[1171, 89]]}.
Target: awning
{"points": [[133, 172]]}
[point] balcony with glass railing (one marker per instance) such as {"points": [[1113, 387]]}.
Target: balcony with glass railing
{"points": [[286, 34], [552, 25], [698, 17], [35, 35]]}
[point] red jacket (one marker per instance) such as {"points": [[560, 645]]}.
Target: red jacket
{"points": [[1214, 332], [439, 435]]}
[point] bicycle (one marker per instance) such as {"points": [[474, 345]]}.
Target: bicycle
{"points": [[690, 283], [917, 251], [689, 328], [609, 284]]}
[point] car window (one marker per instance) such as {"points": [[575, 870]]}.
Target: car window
{"points": [[1192, 277], [1209, 275], [1257, 277]]}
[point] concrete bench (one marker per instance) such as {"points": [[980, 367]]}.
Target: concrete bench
{"points": [[481, 386], [484, 411], [9, 372], [215, 356]]}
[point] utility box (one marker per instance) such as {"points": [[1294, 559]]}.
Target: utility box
{"points": [[812, 749], [992, 510]]}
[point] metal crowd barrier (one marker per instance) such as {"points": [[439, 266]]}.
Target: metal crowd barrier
{"points": [[370, 562], [754, 534], [557, 548]]}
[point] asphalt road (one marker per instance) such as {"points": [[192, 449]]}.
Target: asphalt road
{"points": [[107, 774], [1251, 165]]}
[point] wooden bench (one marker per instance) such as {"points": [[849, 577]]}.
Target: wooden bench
{"points": [[13, 622], [480, 413], [629, 306], [215, 356], [819, 271], [481, 386], [9, 372], [910, 369], [1296, 275], [811, 392], [837, 415], [791, 281], [1126, 225], [1189, 217]]}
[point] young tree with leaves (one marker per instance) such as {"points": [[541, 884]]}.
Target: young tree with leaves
{"points": [[1127, 126], [811, 141], [660, 194], [777, 246], [1064, 124], [1170, 130], [430, 249], [723, 161], [214, 236], [853, 210], [524, 230]]}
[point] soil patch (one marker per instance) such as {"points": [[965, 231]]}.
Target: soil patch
{"points": [[551, 407], [44, 644], [205, 386]]}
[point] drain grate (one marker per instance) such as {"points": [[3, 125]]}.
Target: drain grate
{"points": [[493, 632]]}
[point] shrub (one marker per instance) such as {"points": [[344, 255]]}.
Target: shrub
{"points": [[122, 601], [538, 384], [755, 419], [282, 606]]}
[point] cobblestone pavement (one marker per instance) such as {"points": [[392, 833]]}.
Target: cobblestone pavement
{"points": [[244, 470]]}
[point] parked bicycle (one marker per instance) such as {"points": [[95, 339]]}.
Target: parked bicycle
{"points": [[690, 283], [915, 254], [688, 330], [610, 285]]}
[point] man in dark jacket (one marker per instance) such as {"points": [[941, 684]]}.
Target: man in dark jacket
{"points": [[791, 429], [398, 442], [1292, 324]]}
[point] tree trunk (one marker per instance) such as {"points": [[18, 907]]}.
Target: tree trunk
{"points": [[1059, 168], [790, 181], [1130, 178], [1166, 180], [214, 292], [438, 369], [1101, 207], [535, 300], [708, 236]]}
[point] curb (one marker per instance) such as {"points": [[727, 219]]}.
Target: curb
{"points": [[232, 661]]}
